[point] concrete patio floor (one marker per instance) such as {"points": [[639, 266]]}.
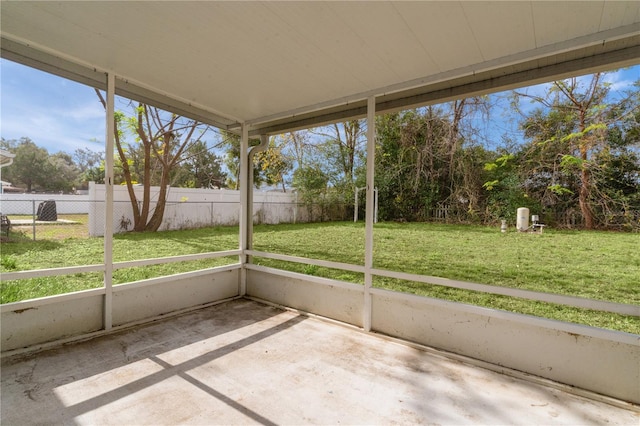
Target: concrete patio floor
{"points": [[242, 362]]}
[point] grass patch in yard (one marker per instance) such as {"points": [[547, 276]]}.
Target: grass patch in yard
{"points": [[591, 264], [27, 255], [16, 290], [593, 318], [128, 275], [32, 288], [316, 271], [335, 241], [598, 265], [43, 254], [78, 228]]}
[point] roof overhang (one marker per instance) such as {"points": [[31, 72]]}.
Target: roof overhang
{"points": [[441, 88], [6, 158], [280, 66]]}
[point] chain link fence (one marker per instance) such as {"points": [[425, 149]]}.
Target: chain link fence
{"points": [[57, 216], [40, 216]]}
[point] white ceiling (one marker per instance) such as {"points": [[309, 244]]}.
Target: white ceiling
{"points": [[268, 62]]}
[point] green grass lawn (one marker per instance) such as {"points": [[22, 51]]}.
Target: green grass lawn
{"points": [[598, 265], [76, 228]]}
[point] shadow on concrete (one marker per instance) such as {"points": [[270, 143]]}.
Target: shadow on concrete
{"points": [[243, 362], [30, 383]]}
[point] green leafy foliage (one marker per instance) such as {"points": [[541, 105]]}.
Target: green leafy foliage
{"points": [[34, 169], [559, 189], [200, 168]]}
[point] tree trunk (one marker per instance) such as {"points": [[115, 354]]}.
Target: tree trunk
{"points": [[125, 167], [141, 225], [158, 214], [151, 129], [127, 177]]}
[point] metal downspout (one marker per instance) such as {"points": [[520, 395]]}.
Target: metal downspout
{"points": [[244, 205], [264, 143], [246, 200]]}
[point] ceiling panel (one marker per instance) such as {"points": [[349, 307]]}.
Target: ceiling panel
{"points": [[394, 45], [515, 20], [443, 32], [566, 20], [620, 14], [260, 61]]}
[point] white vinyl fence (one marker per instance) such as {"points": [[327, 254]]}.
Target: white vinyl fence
{"points": [[191, 208], [185, 207], [27, 204]]}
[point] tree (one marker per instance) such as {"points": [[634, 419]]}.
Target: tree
{"points": [[343, 144], [201, 168], [616, 174], [162, 139], [90, 165], [269, 166], [31, 166], [86, 159], [94, 174], [298, 144], [339, 154], [65, 173], [423, 163], [273, 165], [232, 159], [505, 188], [572, 123], [311, 184]]}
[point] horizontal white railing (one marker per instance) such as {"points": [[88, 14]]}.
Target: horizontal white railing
{"points": [[560, 299], [174, 259], [308, 261], [309, 278], [24, 305], [51, 272], [572, 301], [66, 270], [169, 278], [567, 327]]}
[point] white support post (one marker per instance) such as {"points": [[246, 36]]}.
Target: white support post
{"points": [[375, 209], [108, 211], [245, 214], [369, 213], [264, 144], [355, 206]]}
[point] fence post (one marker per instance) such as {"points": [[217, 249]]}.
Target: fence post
{"points": [[33, 218], [295, 209]]}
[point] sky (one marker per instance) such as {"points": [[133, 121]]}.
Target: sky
{"points": [[55, 113], [61, 115]]}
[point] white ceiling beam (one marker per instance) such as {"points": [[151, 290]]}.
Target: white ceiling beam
{"points": [[30, 56], [616, 54]]}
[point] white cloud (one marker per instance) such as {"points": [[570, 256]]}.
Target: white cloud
{"points": [[87, 111], [55, 113]]}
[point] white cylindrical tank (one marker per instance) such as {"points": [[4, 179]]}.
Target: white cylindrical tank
{"points": [[522, 219]]}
